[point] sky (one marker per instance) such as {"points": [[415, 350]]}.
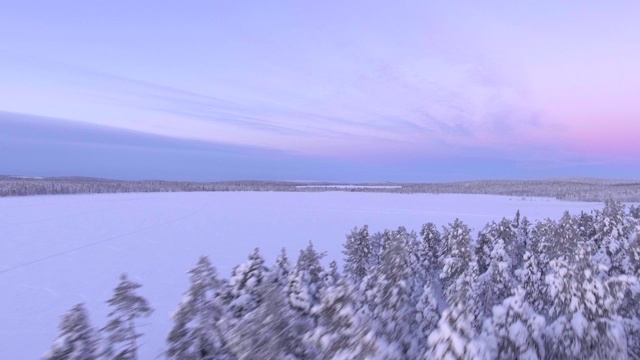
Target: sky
{"points": [[410, 91]]}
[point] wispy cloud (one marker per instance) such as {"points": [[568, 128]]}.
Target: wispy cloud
{"points": [[373, 83]]}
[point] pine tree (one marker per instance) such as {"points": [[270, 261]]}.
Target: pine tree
{"points": [[634, 212], [497, 282], [242, 295], [566, 239], [392, 298], [542, 240], [266, 332], [196, 333], [430, 247], [515, 244], [427, 317], [531, 280], [453, 338], [342, 332], [375, 246], [583, 321], [306, 281], [613, 233], [333, 275], [127, 307], [357, 251], [77, 340], [587, 228], [456, 257], [306, 285], [515, 330], [282, 269], [484, 246], [516, 219]]}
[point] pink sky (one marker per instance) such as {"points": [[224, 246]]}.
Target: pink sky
{"points": [[334, 80]]}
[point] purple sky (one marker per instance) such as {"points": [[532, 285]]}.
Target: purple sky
{"points": [[330, 90]]}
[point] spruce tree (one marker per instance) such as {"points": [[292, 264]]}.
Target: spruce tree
{"points": [[427, 316], [582, 312], [196, 333], [342, 332], [306, 280], [453, 337], [266, 331], [613, 234], [282, 269], [77, 340], [357, 251], [531, 280], [430, 247], [484, 245], [306, 285], [333, 275], [127, 307], [242, 295], [497, 282], [515, 330], [392, 297], [456, 257]]}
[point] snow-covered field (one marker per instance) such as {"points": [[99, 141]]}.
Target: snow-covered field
{"points": [[349, 187], [56, 251]]}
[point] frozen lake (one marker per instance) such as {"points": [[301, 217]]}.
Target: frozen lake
{"points": [[57, 251]]}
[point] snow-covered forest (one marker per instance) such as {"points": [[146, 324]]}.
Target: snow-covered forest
{"points": [[564, 189], [551, 289]]}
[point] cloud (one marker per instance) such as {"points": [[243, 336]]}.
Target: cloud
{"points": [[385, 106]]}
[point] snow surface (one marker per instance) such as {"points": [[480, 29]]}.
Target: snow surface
{"points": [[57, 251], [349, 186]]}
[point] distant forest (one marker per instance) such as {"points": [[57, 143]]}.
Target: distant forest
{"points": [[563, 189], [553, 289]]}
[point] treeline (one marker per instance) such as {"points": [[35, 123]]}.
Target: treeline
{"points": [[566, 189], [16, 186], [565, 289]]}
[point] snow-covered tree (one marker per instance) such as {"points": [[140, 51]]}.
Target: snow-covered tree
{"points": [[456, 257], [357, 251], [497, 282], [515, 330], [282, 269], [634, 212], [127, 307], [266, 332], [307, 278], [531, 280], [514, 242], [587, 228], [613, 233], [77, 340], [516, 219], [582, 312], [242, 295], [542, 240], [566, 239], [306, 285], [484, 245], [196, 333], [513, 237], [375, 246], [342, 332], [453, 338], [427, 316], [391, 297], [333, 275], [430, 246]]}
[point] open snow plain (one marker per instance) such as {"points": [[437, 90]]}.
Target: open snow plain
{"points": [[57, 251]]}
